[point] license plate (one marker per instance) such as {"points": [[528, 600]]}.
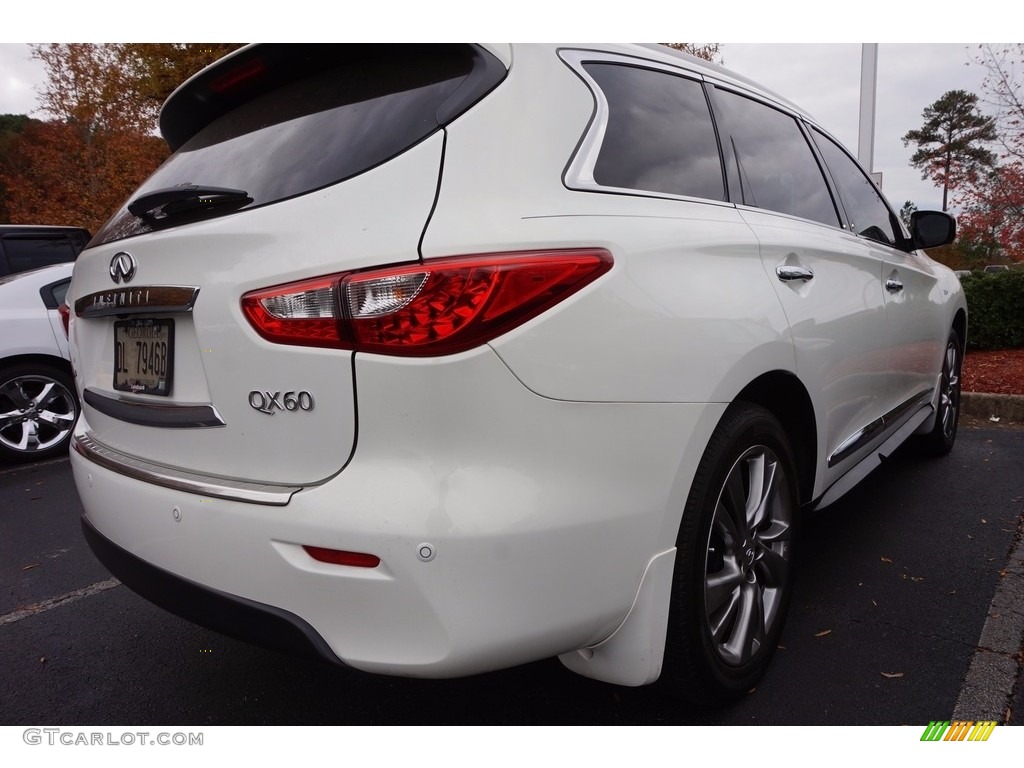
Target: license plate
{"points": [[144, 356]]}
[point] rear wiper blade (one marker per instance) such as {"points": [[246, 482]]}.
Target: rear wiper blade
{"points": [[161, 203]]}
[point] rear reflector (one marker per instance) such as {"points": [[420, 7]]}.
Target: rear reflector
{"points": [[438, 307], [341, 557]]}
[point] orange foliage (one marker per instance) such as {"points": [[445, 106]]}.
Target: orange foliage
{"points": [[60, 174], [99, 145]]}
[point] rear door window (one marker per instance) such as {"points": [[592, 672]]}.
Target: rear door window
{"points": [[659, 136], [777, 167]]}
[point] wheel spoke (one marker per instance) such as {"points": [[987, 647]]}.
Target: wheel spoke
{"points": [[772, 568], [725, 525], [46, 395], [13, 391], [721, 587], [762, 491], [778, 530], [734, 498], [9, 418], [748, 633], [61, 421], [722, 622], [27, 430]]}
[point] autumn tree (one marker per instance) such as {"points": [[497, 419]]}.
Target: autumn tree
{"points": [[11, 127], [706, 51], [1003, 91], [952, 143], [991, 221], [98, 143]]}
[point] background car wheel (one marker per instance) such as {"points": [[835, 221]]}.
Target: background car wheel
{"points": [[38, 409], [940, 440], [733, 574]]}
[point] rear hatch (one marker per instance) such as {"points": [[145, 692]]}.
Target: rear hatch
{"points": [[290, 163]]}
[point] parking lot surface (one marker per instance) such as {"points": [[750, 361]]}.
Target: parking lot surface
{"points": [[895, 590]]}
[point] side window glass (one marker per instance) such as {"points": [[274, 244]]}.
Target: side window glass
{"points": [[660, 136], [778, 170], [869, 214], [29, 253]]}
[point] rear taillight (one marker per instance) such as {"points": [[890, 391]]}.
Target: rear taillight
{"points": [[438, 307], [65, 317]]}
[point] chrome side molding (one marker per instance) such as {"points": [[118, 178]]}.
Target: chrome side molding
{"points": [[179, 479], [882, 424]]}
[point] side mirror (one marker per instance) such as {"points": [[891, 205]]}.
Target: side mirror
{"points": [[930, 229]]}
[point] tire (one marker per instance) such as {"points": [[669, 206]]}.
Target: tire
{"points": [[940, 441], [733, 576], [38, 409]]}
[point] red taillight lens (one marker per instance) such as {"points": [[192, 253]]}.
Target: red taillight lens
{"points": [[438, 307], [65, 317]]}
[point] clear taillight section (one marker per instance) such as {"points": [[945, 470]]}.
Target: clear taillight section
{"points": [[434, 308]]}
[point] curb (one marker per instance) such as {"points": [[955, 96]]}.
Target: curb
{"points": [[984, 406], [994, 674]]}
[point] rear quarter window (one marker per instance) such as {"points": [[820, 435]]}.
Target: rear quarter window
{"points": [[659, 136]]}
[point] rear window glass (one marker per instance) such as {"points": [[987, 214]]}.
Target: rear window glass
{"points": [[315, 130], [28, 253]]}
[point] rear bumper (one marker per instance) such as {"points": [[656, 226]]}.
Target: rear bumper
{"points": [[229, 614], [541, 516]]}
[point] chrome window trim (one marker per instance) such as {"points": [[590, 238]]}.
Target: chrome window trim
{"points": [[102, 455]]}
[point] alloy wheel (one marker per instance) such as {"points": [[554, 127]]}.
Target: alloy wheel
{"points": [[37, 413], [748, 553]]}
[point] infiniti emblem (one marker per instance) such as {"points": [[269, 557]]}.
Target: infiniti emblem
{"points": [[122, 267]]}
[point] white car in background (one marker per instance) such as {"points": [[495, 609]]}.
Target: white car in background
{"points": [[433, 360], [38, 405]]}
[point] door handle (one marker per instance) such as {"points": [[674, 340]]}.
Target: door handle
{"points": [[788, 273]]}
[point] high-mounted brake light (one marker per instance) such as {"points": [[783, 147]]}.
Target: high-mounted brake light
{"points": [[438, 307]]}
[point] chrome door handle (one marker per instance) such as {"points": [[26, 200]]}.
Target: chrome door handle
{"points": [[788, 273], [893, 285]]}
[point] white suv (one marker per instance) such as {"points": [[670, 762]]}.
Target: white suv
{"points": [[432, 360]]}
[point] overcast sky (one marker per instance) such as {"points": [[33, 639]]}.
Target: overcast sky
{"points": [[824, 79]]}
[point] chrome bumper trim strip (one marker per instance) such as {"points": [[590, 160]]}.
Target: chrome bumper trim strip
{"points": [[179, 479]]}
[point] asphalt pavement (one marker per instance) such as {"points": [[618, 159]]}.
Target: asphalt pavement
{"points": [[898, 584]]}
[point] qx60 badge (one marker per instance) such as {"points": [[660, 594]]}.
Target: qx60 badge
{"points": [[268, 402]]}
